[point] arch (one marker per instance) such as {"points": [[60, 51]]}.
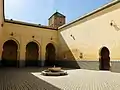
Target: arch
{"points": [[10, 53], [35, 41], [104, 59], [104, 51], [32, 54], [50, 55], [54, 44], [15, 40], [39, 45]]}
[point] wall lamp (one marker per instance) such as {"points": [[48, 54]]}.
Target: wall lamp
{"points": [[2, 25], [33, 36], [51, 38], [11, 34], [81, 55], [112, 23], [72, 36]]}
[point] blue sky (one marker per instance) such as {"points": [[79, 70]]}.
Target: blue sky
{"points": [[38, 11]]}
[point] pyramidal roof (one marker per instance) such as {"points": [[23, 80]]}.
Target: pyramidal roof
{"points": [[57, 14]]}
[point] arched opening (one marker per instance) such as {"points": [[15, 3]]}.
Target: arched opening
{"points": [[104, 59], [32, 54], [50, 55], [9, 53]]}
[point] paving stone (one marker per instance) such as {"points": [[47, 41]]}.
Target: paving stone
{"points": [[22, 79], [77, 79]]}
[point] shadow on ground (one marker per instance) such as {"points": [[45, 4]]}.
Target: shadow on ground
{"points": [[22, 79]]}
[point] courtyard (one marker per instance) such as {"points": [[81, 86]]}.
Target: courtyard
{"points": [[77, 79]]}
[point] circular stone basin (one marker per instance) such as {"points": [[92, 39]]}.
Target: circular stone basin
{"points": [[55, 71]]}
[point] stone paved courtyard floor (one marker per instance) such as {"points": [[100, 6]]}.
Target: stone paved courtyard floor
{"points": [[77, 79]]}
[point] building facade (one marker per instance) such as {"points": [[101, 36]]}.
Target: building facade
{"points": [[29, 44]]}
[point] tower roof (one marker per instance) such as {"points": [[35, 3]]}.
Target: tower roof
{"points": [[57, 14]]}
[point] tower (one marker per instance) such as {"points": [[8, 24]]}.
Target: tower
{"points": [[56, 20]]}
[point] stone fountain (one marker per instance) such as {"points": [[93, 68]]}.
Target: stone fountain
{"points": [[54, 71]]}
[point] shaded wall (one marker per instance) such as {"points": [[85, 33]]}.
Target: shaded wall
{"points": [[94, 65], [65, 56]]}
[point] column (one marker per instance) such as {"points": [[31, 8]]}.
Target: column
{"points": [[22, 56], [43, 55]]}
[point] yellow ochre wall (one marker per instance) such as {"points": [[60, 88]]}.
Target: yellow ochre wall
{"points": [[1, 22], [1, 12], [22, 34], [91, 34]]}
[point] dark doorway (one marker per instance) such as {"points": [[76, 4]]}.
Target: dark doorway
{"points": [[50, 55], [32, 54], [104, 59], [9, 54]]}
